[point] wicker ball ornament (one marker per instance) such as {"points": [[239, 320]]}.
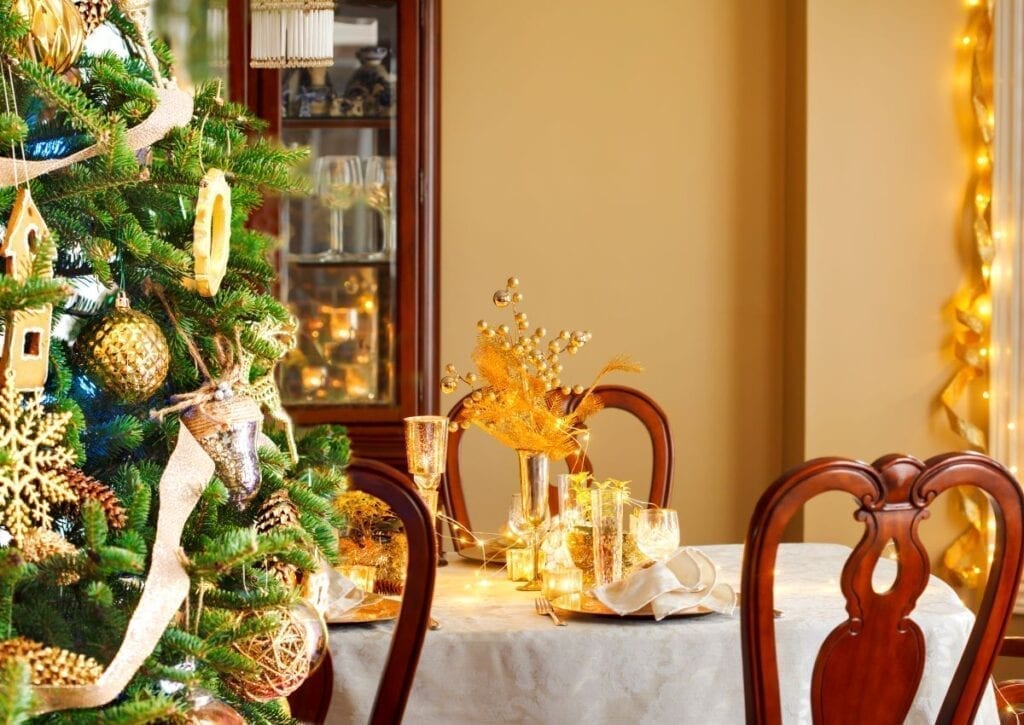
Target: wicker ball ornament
{"points": [[56, 32], [125, 353], [284, 656]]}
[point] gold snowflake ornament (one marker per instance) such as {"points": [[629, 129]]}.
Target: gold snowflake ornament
{"points": [[32, 456]]}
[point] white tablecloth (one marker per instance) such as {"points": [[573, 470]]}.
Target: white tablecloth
{"points": [[496, 661]]}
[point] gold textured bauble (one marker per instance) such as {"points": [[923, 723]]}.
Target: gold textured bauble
{"points": [[56, 32], [93, 12], [125, 353], [282, 657], [205, 709]]}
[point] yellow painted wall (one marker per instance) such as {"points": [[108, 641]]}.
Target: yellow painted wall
{"points": [[625, 161], [633, 164], [885, 181]]}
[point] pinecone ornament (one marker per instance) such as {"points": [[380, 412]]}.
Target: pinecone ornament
{"points": [[85, 488], [93, 12], [124, 352], [40, 544], [51, 666], [278, 512]]}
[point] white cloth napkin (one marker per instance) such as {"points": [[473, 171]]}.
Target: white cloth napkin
{"points": [[687, 579], [342, 595]]}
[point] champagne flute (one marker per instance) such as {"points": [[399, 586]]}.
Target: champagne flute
{"points": [[339, 180], [426, 451], [657, 533], [380, 182]]}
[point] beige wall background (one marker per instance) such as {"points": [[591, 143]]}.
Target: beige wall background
{"points": [[885, 173], [630, 164]]}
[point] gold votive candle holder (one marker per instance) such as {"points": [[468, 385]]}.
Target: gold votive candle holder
{"points": [[520, 564], [561, 580], [362, 575]]}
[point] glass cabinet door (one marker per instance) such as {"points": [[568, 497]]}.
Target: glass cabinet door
{"points": [[340, 242]]}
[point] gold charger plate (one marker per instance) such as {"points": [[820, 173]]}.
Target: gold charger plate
{"points": [[374, 609], [592, 606]]}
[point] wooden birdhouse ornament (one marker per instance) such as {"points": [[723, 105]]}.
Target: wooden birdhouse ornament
{"points": [[26, 348]]}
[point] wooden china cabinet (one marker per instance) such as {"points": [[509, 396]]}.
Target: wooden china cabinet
{"points": [[359, 255]]}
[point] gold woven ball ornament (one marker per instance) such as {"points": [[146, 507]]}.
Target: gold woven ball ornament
{"points": [[285, 656], [56, 32], [124, 352]]}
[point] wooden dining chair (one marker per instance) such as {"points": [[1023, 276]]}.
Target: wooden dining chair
{"points": [[311, 701], [869, 667], [655, 421]]}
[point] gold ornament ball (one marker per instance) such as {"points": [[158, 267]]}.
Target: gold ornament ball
{"points": [[56, 32], [205, 709], [502, 298], [282, 657], [125, 353], [449, 384], [312, 620]]}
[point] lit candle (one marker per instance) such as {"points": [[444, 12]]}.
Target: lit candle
{"points": [[359, 574], [520, 564], [562, 580]]}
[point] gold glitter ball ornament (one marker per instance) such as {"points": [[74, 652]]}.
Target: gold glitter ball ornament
{"points": [[56, 32], [125, 353]]}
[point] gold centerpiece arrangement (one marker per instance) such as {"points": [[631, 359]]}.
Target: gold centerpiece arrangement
{"points": [[518, 397], [372, 538]]}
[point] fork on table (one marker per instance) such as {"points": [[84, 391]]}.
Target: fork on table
{"points": [[544, 607]]}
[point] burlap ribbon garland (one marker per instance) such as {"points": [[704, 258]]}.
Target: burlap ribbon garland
{"points": [[173, 109], [188, 472]]}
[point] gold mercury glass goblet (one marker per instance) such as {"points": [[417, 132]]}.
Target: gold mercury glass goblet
{"points": [[426, 450]]}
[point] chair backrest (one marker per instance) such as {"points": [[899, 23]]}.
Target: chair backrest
{"points": [[654, 420], [310, 702], [870, 666]]}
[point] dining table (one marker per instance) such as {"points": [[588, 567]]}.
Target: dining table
{"points": [[495, 660]]}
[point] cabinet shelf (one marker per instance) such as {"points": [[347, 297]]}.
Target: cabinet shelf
{"points": [[332, 122]]}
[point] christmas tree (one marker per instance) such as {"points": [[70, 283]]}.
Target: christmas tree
{"points": [[120, 255]]}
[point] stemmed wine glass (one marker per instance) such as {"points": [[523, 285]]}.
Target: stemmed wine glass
{"points": [[379, 183], [657, 533], [339, 181], [426, 450]]}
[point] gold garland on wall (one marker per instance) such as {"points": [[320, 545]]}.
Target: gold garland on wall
{"points": [[967, 558]]}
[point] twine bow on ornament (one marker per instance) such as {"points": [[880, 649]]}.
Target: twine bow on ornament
{"points": [[224, 419]]}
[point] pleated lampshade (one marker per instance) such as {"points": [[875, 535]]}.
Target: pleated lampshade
{"points": [[292, 33]]}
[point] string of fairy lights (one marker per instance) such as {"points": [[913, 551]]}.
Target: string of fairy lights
{"points": [[968, 557]]}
